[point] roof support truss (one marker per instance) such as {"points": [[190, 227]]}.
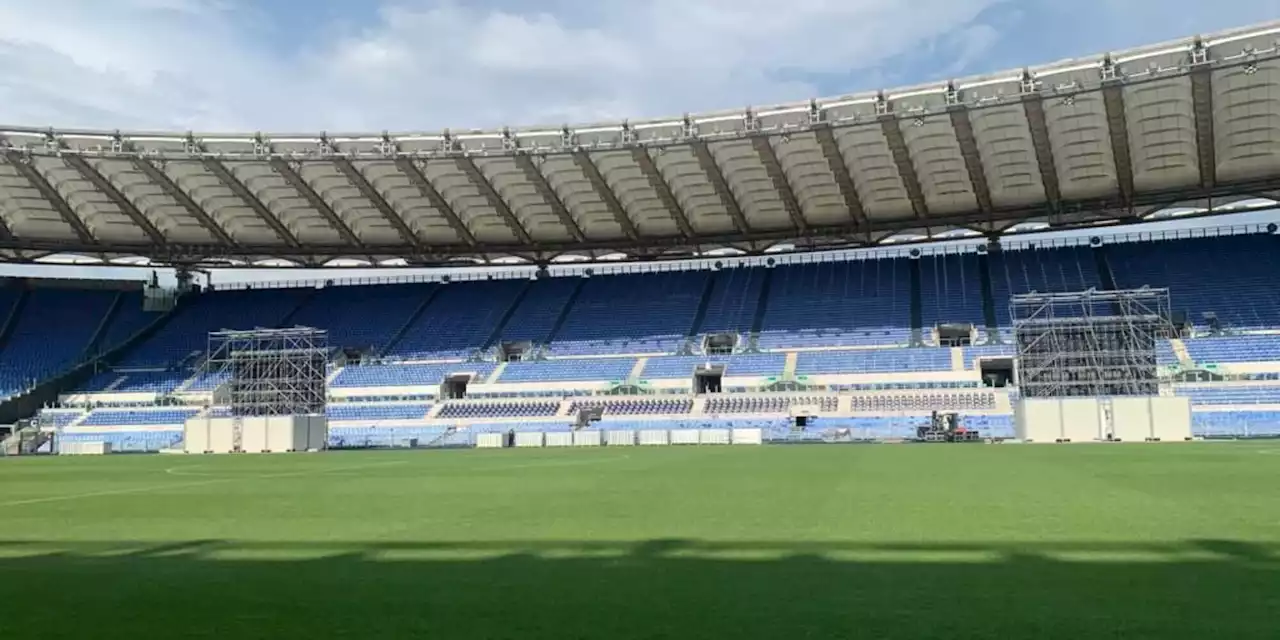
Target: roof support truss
{"points": [[1202, 102], [1117, 124], [963, 127], [158, 176], [525, 162], [1033, 108], [773, 167], [468, 166], [660, 186], [902, 158], [429, 191], [380, 203], [835, 161], [104, 185], [708, 163], [229, 180], [28, 170], [601, 186], [291, 176]]}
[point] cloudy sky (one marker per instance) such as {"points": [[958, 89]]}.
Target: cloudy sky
{"points": [[289, 65]]}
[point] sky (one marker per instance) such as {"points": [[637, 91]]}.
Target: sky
{"points": [[415, 65]]}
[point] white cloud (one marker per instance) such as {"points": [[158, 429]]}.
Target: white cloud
{"points": [[429, 64]]}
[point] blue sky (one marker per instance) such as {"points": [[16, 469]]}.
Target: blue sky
{"points": [[344, 65], [429, 64]]}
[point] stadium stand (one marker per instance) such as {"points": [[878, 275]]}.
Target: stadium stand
{"points": [[833, 304], [632, 313], [836, 331]]}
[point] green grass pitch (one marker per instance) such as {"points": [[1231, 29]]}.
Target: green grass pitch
{"points": [[941, 541]]}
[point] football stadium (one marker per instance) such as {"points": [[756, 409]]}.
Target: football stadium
{"points": [[902, 364]]}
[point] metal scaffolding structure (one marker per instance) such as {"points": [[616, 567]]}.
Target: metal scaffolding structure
{"points": [[1090, 343], [271, 372]]}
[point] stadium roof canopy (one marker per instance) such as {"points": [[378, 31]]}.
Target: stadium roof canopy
{"points": [[1106, 138]]}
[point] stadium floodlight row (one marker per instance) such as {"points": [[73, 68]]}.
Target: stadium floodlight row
{"points": [[1102, 138]]}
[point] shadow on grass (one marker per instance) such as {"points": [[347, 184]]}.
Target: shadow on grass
{"points": [[645, 589]]}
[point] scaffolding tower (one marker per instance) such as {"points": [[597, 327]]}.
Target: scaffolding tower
{"points": [[1090, 343], [271, 372]]}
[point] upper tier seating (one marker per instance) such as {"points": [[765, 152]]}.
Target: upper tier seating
{"points": [[52, 333], [188, 330], [536, 314], [458, 320], [763, 364], [612, 369], [873, 361], [827, 304], [1232, 276], [362, 317], [1041, 270], [633, 313], [951, 289], [735, 295], [404, 375]]}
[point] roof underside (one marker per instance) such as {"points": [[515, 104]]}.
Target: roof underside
{"points": [[1100, 139]]}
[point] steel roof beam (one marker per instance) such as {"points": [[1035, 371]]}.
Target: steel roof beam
{"points": [[601, 186], [902, 158], [1118, 125], [366, 189], [963, 127], [230, 181], [835, 161], [709, 166], [1033, 108], [291, 176], [1202, 102], [429, 191], [660, 186], [158, 176], [113, 194], [476, 176], [531, 173], [773, 167], [28, 170], [1095, 208]]}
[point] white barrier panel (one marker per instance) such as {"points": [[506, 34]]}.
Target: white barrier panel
{"points": [[529, 439], [255, 433], [84, 448], [713, 436], [620, 438], [195, 435], [748, 436], [684, 436], [653, 437], [222, 435], [560, 439], [587, 438], [489, 440], [1172, 418]]}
